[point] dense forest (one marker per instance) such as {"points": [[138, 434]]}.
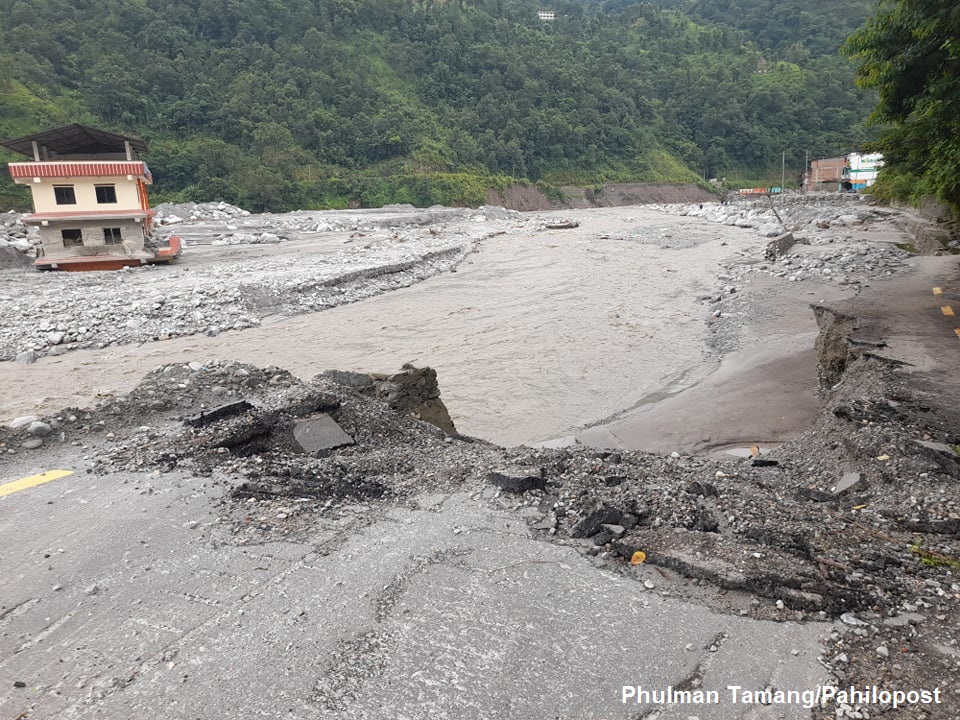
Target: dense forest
{"points": [[277, 104]]}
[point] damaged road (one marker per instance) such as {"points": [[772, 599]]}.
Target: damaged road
{"points": [[216, 561], [152, 582]]}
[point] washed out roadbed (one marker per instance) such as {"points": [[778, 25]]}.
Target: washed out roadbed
{"points": [[855, 521]]}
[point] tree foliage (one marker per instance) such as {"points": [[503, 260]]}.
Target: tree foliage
{"points": [[910, 54], [286, 103]]}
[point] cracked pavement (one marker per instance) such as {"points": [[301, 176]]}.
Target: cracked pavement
{"points": [[124, 597]]}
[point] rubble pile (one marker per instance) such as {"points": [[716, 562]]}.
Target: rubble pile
{"points": [[16, 246], [66, 311], [790, 213], [276, 437], [220, 224], [821, 238], [171, 214], [857, 520]]}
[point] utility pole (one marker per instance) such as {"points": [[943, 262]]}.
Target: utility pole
{"points": [[783, 175], [806, 172]]}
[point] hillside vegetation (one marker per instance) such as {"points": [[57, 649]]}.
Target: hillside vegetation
{"points": [[277, 104]]}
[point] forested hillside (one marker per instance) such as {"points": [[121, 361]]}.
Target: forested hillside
{"points": [[276, 104]]}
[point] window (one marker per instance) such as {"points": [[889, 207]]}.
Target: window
{"points": [[106, 193], [111, 236], [72, 238], [64, 195]]}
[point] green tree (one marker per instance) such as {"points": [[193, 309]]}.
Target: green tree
{"points": [[909, 52]]}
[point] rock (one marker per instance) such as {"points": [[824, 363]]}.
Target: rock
{"points": [[851, 619], [706, 489], [547, 522], [320, 433], [413, 390], [770, 230], [592, 523], [23, 421], [883, 652], [218, 413], [31, 444], [804, 493], [516, 483], [39, 428], [706, 521], [778, 246], [904, 619], [848, 483], [941, 454], [27, 357]]}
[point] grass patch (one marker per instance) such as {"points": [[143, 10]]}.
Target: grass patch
{"points": [[929, 558]]}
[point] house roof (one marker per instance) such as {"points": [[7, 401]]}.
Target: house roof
{"points": [[89, 168], [75, 139]]}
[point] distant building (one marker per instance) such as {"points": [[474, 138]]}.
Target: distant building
{"points": [[826, 173], [857, 169], [89, 198], [547, 15], [861, 170]]}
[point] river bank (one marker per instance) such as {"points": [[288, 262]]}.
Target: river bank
{"points": [[536, 333]]}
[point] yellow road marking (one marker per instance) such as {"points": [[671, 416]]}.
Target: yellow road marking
{"points": [[32, 481], [947, 310], [937, 291]]}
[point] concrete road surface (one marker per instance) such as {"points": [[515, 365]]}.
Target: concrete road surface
{"points": [[123, 596]]}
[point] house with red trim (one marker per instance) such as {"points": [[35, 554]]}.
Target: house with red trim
{"points": [[90, 200]]}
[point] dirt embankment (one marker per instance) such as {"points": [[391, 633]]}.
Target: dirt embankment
{"points": [[529, 197]]}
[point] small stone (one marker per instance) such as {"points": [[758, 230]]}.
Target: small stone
{"points": [[848, 483], [615, 530], [39, 429], [31, 444], [883, 652], [649, 584], [23, 421], [851, 619], [19, 684], [27, 357]]}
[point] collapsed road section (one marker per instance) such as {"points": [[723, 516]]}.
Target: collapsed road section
{"points": [[238, 541]]}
